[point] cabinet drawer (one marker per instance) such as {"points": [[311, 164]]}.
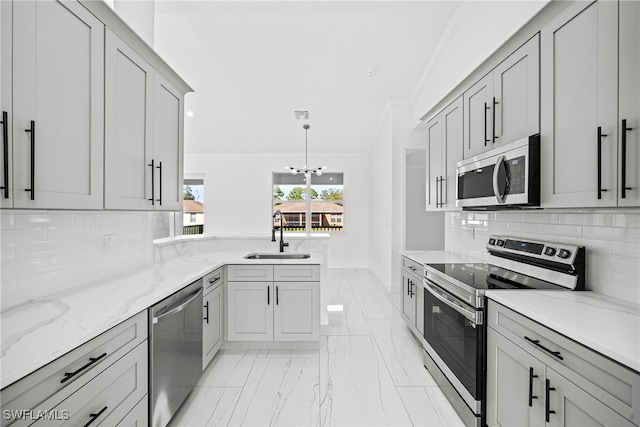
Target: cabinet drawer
{"points": [[47, 387], [296, 273], [250, 273], [110, 396], [613, 384], [213, 280], [412, 266], [138, 416]]}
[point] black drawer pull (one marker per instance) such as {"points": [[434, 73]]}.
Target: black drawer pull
{"points": [[206, 317], [277, 296], [214, 280], [537, 344], [95, 416], [153, 182], [92, 360], [486, 107], [494, 119], [623, 149], [531, 396], [159, 167], [599, 177], [32, 131]]}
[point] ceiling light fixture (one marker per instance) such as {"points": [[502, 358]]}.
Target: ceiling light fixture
{"points": [[302, 114], [305, 169]]}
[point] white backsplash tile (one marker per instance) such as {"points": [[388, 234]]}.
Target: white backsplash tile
{"points": [[48, 252], [611, 238]]}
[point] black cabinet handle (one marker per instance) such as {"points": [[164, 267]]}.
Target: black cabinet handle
{"points": [[493, 112], [408, 284], [32, 131], [206, 317], [95, 416], [5, 150], [547, 390], [537, 344], [436, 190], [268, 295], [486, 107], [160, 183], [531, 396], [600, 136], [92, 360], [153, 181], [441, 191], [277, 296], [214, 280], [623, 172]]}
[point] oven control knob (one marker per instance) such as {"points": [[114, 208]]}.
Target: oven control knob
{"points": [[550, 251], [492, 241], [500, 242], [563, 253]]}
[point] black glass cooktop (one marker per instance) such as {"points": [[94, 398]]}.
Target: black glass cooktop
{"points": [[486, 276]]}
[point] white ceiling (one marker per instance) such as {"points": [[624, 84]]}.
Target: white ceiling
{"points": [[252, 63]]}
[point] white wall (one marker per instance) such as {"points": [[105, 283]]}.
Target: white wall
{"points": [[139, 15], [611, 238], [238, 193], [476, 31]]}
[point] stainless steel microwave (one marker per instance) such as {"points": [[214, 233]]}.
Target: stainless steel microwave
{"points": [[504, 177]]}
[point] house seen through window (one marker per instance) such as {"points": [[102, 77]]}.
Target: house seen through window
{"points": [[193, 207], [320, 197]]}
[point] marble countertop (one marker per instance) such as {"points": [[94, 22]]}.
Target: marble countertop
{"points": [[607, 325], [37, 332], [424, 257]]}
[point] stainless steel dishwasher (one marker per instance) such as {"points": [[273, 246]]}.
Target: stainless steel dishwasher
{"points": [[175, 349]]}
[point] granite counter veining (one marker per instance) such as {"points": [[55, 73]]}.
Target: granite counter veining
{"points": [[37, 332], [607, 325]]}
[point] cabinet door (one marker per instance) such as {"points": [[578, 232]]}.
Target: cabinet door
{"points": [[168, 145], [58, 85], [578, 95], [477, 117], [575, 407], [212, 325], [296, 314], [6, 178], [250, 311], [629, 90], [452, 142], [516, 89], [512, 376], [407, 301], [419, 297], [128, 126], [139, 416], [434, 162]]}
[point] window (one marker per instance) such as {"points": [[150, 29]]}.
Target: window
{"points": [[321, 196], [193, 206]]}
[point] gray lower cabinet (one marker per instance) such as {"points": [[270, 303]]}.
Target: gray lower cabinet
{"points": [[261, 309], [138, 416], [108, 371], [412, 296], [536, 376], [212, 321]]}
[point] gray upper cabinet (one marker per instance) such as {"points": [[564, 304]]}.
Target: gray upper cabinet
{"points": [[504, 105], [579, 102], [444, 149], [56, 105], [629, 98]]}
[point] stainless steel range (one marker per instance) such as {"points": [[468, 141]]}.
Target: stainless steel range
{"points": [[454, 302]]}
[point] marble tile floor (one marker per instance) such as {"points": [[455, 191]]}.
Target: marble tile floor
{"points": [[367, 372]]}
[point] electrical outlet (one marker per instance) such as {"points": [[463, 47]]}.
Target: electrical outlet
{"points": [[108, 242]]}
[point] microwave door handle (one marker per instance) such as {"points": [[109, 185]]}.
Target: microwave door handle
{"points": [[496, 186], [470, 315]]}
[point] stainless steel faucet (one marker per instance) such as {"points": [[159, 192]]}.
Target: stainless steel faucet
{"points": [[273, 231]]}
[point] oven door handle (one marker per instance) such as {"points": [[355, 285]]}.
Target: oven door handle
{"points": [[471, 315]]}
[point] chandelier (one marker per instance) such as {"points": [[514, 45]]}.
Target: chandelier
{"points": [[305, 169]]}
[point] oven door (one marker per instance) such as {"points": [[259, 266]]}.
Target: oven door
{"points": [[455, 332]]}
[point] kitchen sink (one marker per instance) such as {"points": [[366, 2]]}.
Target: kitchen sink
{"points": [[277, 256]]}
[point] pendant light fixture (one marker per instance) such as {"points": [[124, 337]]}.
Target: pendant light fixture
{"points": [[305, 169]]}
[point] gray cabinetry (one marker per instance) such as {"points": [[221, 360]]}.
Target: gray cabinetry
{"points": [[412, 295], [213, 310], [261, 309], [536, 376], [444, 149], [111, 369], [590, 55], [503, 106]]}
